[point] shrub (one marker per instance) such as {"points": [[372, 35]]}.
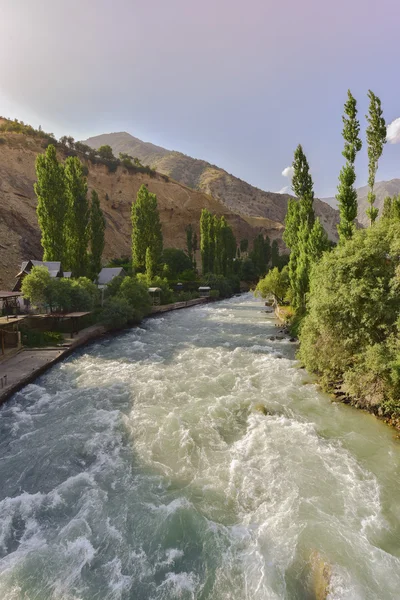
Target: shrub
{"points": [[116, 312], [136, 293], [176, 260], [34, 338]]}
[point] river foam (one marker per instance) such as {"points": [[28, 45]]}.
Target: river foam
{"points": [[145, 469]]}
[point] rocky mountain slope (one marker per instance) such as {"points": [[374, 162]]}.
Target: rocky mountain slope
{"points": [[234, 193], [179, 205], [382, 189]]}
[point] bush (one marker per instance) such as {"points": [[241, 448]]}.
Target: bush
{"points": [[350, 336], [116, 312], [220, 283], [275, 283], [136, 293], [166, 295], [177, 261], [34, 338]]}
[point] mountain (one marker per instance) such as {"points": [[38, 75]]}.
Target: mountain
{"points": [[178, 204], [235, 194], [382, 189]]}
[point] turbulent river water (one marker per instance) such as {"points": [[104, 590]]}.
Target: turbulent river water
{"points": [[141, 468]]}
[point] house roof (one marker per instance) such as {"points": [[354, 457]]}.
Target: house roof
{"points": [[53, 267], [204, 288], [108, 273], [6, 294], [67, 274], [154, 289]]}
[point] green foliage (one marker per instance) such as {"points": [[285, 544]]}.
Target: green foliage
{"points": [[96, 234], [35, 286], [189, 243], [52, 205], [106, 152], [275, 283], [77, 218], [350, 335], [62, 294], [33, 338], [146, 229], [135, 292], [205, 241], [248, 271], [261, 254], [302, 185], [177, 261], [149, 264], [376, 138], [226, 287], [217, 244], [117, 311], [347, 194]]}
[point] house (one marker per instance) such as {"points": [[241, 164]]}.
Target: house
{"points": [[107, 274], [204, 291], [53, 267]]}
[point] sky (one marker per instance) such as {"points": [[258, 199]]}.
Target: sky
{"points": [[237, 83]]}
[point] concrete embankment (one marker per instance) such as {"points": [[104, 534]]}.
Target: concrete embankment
{"points": [[25, 366]]}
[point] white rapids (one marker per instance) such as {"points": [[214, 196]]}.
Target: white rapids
{"points": [[141, 468]]}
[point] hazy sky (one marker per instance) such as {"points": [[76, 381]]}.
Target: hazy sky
{"points": [[238, 83]]}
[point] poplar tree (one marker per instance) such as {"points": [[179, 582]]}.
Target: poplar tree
{"points": [[77, 218], [302, 185], [189, 242], [52, 207], [376, 138], [96, 235], [149, 265], [347, 194], [205, 240], [274, 254], [146, 229]]}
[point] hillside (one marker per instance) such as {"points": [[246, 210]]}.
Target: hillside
{"points": [[382, 189], [178, 205], [235, 194]]}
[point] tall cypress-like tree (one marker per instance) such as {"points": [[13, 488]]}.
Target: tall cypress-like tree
{"points": [[189, 241], [205, 240], [77, 220], [146, 229], [300, 219], [96, 235], [52, 205], [347, 194], [274, 254], [302, 185], [376, 138]]}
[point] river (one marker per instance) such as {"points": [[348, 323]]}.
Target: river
{"points": [[141, 468]]}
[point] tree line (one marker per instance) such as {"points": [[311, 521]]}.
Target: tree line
{"points": [[72, 228], [346, 297]]}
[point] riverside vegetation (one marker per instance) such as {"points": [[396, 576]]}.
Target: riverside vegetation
{"points": [[73, 232], [345, 300]]}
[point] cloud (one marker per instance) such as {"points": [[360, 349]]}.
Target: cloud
{"points": [[393, 132], [288, 172], [285, 190]]}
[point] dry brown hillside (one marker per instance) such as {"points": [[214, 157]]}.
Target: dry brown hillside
{"points": [[178, 205], [235, 194]]}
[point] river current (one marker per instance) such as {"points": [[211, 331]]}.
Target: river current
{"points": [[142, 468]]}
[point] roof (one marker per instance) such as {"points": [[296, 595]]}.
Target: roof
{"points": [[53, 267], [156, 289], [67, 274], [9, 294], [108, 273], [204, 288]]}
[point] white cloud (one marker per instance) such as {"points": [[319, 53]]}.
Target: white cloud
{"points": [[288, 172], [393, 132], [285, 190]]}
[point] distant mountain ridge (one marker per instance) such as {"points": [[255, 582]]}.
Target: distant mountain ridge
{"points": [[382, 190], [237, 195]]}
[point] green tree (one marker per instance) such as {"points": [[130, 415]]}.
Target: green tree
{"points": [[77, 218], [146, 229], [189, 242], [276, 283], [275, 254], [205, 245], [149, 264], [52, 206], [318, 242], [176, 260], [96, 234], [106, 152], [347, 194], [136, 293], [35, 286], [302, 185], [376, 138]]}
